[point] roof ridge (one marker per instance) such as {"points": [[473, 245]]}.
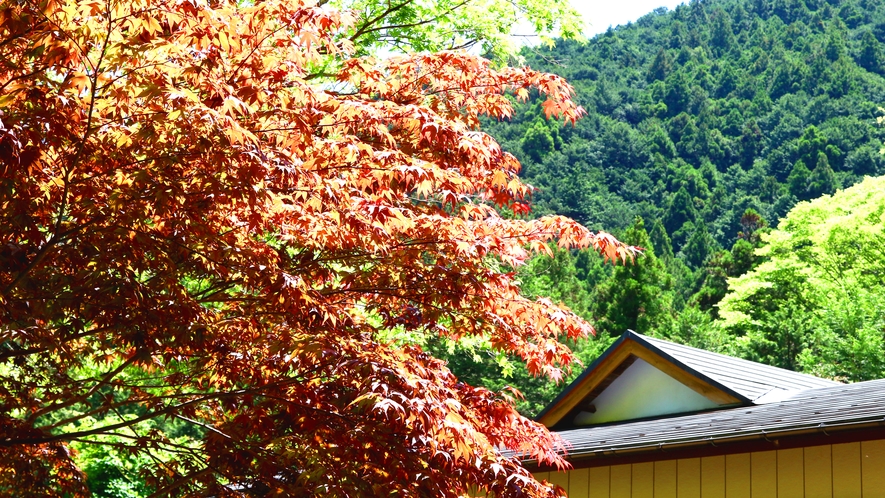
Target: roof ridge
{"points": [[757, 365], [752, 379]]}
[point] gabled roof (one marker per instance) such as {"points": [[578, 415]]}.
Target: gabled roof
{"points": [[824, 411], [752, 380], [723, 380]]}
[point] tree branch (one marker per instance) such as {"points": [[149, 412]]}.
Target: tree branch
{"points": [[76, 399], [364, 31]]}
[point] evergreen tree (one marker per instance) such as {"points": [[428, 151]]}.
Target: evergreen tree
{"points": [[678, 93], [798, 180], [751, 135], [637, 296], [722, 37], [699, 247], [714, 283], [681, 274], [835, 47], [680, 211], [660, 241], [661, 66], [743, 257], [870, 53], [725, 264], [822, 179]]}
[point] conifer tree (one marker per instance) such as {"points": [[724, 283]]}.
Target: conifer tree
{"points": [[797, 182], [870, 53], [661, 66], [822, 179], [699, 247], [680, 211], [637, 296], [660, 241]]}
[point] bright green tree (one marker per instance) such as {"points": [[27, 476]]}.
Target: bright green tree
{"points": [[816, 302], [431, 25], [539, 140]]}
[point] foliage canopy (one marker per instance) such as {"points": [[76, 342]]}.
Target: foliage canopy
{"points": [[432, 25]]}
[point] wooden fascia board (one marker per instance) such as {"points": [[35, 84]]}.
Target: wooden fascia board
{"points": [[614, 357]]}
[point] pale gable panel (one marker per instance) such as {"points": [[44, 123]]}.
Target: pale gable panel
{"points": [[643, 391]]}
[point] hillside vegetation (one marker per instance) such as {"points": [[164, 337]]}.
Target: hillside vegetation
{"points": [[697, 114], [706, 125]]}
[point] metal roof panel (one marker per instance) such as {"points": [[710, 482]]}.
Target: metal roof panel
{"points": [[748, 378], [823, 407]]}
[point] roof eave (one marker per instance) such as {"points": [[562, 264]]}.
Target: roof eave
{"points": [[745, 442]]}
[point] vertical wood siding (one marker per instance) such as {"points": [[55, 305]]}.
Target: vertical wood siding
{"points": [[791, 473], [849, 470], [763, 474], [737, 476], [600, 482], [688, 478], [713, 477], [643, 485], [621, 485], [665, 479], [818, 470], [846, 470]]}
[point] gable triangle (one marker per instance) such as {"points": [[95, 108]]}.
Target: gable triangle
{"points": [[633, 379], [640, 391]]}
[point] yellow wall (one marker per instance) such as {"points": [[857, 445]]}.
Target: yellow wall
{"points": [[849, 470]]}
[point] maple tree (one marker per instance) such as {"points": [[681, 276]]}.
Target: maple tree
{"points": [[199, 229]]}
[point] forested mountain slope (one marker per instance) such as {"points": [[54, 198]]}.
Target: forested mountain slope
{"points": [[705, 126], [697, 114]]}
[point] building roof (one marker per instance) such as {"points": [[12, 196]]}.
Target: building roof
{"points": [[758, 407], [750, 379], [724, 380], [819, 410]]}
